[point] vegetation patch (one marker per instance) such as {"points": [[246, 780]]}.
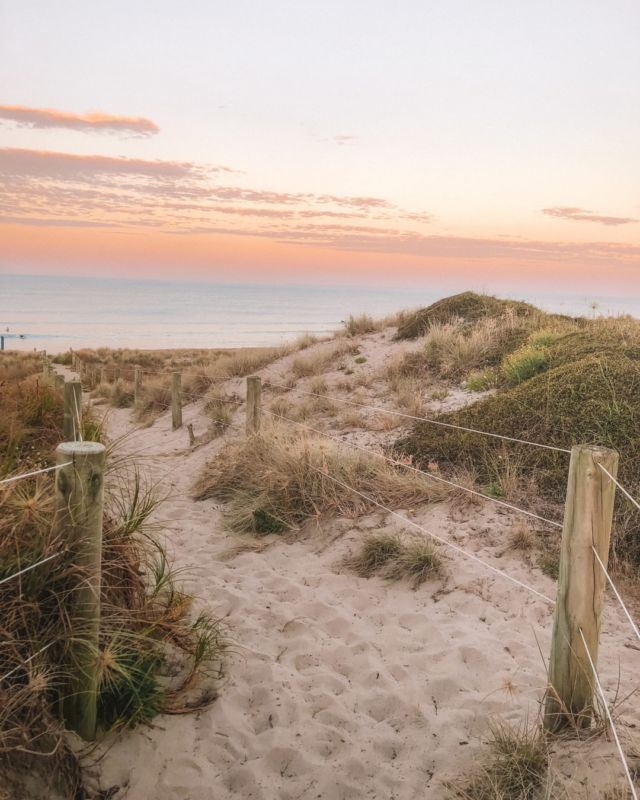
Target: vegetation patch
{"points": [[524, 363], [145, 618], [468, 307], [594, 400], [278, 481], [514, 767]]}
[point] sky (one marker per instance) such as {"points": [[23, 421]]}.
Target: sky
{"points": [[474, 144]]}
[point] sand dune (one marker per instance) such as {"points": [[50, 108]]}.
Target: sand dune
{"points": [[340, 687]]}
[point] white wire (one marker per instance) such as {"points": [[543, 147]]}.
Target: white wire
{"points": [[617, 594], [425, 419], [30, 567], [608, 713], [621, 487], [416, 470], [35, 472], [26, 661], [435, 536]]}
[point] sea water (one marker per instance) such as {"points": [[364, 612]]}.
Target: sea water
{"points": [[56, 312]]}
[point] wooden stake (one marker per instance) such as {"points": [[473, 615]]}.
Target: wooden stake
{"points": [[254, 398], [176, 400], [581, 583], [192, 438], [79, 511], [72, 422], [137, 385]]}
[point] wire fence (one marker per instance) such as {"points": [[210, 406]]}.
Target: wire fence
{"points": [[399, 464]]}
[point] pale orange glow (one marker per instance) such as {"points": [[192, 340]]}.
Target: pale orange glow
{"points": [[157, 254]]}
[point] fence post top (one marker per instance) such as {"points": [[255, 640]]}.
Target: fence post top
{"points": [[80, 448], [597, 451]]}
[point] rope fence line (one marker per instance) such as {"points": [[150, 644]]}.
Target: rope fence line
{"points": [[617, 594], [31, 566], [620, 486], [426, 419], [26, 661], [437, 478], [610, 718], [35, 472], [435, 536]]}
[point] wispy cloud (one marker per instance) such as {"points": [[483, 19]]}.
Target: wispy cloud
{"points": [[345, 138], [19, 162], [95, 121], [585, 215]]}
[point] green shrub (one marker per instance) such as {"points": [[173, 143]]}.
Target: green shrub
{"points": [[543, 338], [360, 360], [524, 363], [481, 380], [595, 400]]}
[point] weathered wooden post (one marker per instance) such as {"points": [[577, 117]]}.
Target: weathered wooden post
{"points": [[137, 385], [72, 422], [581, 582], [176, 400], [192, 438], [79, 511], [103, 375], [254, 396]]}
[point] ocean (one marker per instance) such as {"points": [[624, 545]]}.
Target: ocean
{"points": [[56, 313]]}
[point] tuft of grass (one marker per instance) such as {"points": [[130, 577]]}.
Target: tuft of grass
{"points": [[482, 379], [389, 555], [524, 363], [515, 766], [418, 561], [360, 360], [286, 475], [376, 552], [355, 326], [521, 536]]}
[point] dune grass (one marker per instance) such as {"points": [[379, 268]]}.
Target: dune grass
{"points": [[395, 558], [276, 482], [514, 767], [145, 617]]}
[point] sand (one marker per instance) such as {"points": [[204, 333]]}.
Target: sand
{"points": [[340, 687]]}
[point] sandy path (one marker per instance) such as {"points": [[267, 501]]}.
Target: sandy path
{"points": [[339, 687]]}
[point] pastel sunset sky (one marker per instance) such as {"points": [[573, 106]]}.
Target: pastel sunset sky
{"points": [[481, 143]]}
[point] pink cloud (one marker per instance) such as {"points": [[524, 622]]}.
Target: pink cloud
{"points": [[19, 162], [94, 121], [585, 215]]}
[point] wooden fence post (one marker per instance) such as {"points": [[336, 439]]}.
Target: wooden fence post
{"points": [[581, 582], [137, 385], [254, 397], [79, 511], [103, 375], [176, 400], [72, 423]]}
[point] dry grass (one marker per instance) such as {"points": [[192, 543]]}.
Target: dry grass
{"points": [[515, 767], [522, 536], [362, 324], [144, 615], [276, 482], [318, 362], [394, 558]]}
